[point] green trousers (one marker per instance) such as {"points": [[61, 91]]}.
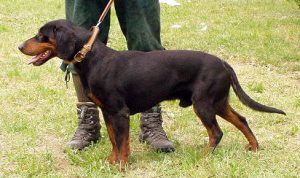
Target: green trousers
{"points": [[139, 20]]}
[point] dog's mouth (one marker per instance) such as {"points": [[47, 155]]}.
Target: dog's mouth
{"points": [[41, 58]]}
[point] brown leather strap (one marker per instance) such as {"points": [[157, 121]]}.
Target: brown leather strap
{"points": [[95, 31], [87, 47], [105, 11]]}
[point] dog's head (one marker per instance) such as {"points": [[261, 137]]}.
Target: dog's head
{"points": [[58, 38]]}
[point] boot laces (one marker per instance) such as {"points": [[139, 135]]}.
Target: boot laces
{"points": [[86, 124]]}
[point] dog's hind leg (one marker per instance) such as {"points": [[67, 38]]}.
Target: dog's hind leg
{"points": [[239, 122], [207, 115]]}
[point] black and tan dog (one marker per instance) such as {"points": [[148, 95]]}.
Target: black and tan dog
{"points": [[125, 83]]}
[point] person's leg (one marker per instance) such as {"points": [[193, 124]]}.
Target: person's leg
{"points": [[140, 24], [86, 14], [88, 129]]}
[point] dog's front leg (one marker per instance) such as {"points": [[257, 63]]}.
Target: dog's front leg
{"points": [[118, 130]]}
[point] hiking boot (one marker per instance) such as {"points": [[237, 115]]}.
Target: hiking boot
{"points": [[152, 131], [88, 130]]}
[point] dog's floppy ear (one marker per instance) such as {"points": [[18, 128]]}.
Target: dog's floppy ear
{"points": [[65, 43]]}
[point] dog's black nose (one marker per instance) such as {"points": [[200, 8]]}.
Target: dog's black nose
{"points": [[21, 46]]}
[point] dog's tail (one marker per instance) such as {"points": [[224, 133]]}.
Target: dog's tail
{"points": [[244, 98]]}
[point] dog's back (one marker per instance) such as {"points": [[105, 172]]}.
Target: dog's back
{"points": [[148, 78]]}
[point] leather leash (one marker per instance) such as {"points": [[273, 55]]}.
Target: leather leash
{"points": [[95, 31]]}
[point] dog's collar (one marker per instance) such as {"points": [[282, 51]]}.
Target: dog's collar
{"points": [[80, 56]]}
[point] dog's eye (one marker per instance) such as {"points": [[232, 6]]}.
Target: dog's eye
{"points": [[42, 38]]}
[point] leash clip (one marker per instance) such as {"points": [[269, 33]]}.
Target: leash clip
{"points": [[98, 24]]}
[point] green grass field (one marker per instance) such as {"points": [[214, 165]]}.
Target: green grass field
{"points": [[259, 38]]}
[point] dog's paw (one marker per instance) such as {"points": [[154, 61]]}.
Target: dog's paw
{"points": [[112, 159], [251, 147], [121, 164]]}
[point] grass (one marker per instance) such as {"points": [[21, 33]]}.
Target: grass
{"points": [[260, 39]]}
